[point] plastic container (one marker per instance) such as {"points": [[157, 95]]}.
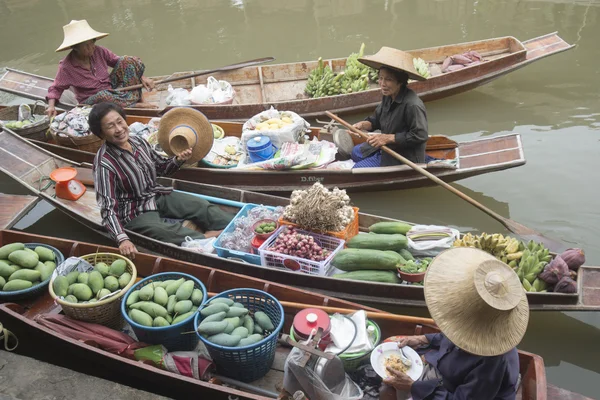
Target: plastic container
{"points": [[173, 337], [307, 320], [41, 287], [256, 243], [247, 363], [228, 253], [260, 148], [348, 233], [273, 259]]}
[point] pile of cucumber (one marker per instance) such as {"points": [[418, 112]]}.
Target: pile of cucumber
{"points": [[22, 268], [376, 256], [227, 323]]}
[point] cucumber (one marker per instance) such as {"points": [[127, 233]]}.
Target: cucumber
{"points": [[370, 276], [378, 241], [406, 254], [390, 227], [360, 259]]}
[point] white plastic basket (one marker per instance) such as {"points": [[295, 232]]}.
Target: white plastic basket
{"points": [[283, 261]]}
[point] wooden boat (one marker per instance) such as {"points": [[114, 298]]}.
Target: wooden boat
{"points": [[473, 158], [14, 207], [42, 343], [39, 163], [282, 85]]}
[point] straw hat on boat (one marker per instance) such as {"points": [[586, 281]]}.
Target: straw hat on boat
{"points": [[78, 32], [476, 300], [181, 128], [394, 59]]}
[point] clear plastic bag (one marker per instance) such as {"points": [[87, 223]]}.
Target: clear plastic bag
{"points": [[178, 97], [292, 132], [307, 380], [431, 248], [199, 245], [241, 237]]}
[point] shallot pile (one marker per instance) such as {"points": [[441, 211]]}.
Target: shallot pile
{"points": [[293, 243], [320, 210]]}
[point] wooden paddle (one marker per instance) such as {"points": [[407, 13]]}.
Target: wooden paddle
{"points": [[210, 71], [515, 227]]}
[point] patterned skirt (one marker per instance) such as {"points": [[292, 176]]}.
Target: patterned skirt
{"points": [[127, 72]]}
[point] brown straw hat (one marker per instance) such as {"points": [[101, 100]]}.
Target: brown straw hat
{"points": [[476, 300], [394, 59], [78, 32], [181, 128]]}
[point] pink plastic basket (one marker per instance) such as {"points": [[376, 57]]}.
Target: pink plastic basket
{"points": [[283, 261]]}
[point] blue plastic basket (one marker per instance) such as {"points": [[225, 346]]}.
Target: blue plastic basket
{"points": [[247, 363], [227, 253], [39, 288], [169, 336]]}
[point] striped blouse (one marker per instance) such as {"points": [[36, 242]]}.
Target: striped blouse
{"points": [[126, 183]]}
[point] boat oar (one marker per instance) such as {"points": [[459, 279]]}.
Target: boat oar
{"points": [[515, 227], [210, 71]]}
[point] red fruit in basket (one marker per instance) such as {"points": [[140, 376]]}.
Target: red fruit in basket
{"points": [[291, 264]]}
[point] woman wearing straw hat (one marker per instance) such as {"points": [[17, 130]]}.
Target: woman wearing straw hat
{"points": [[400, 116], [125, 172], [85, 69], [481, 308]]}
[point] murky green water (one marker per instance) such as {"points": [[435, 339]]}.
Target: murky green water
{"points": [[554, 104]]}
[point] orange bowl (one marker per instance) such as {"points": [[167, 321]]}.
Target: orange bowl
{"points": [[264, 236], [408, 277]]}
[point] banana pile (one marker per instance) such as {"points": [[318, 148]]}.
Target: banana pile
{"points": [[526, 259], [355, 78], [422, 67]]}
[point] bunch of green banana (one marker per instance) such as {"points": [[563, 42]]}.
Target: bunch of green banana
{"points": [[529, 268], [422, 67], [314, 78]]}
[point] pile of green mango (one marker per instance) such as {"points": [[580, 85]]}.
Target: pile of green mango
{"points": [[22, 268], [227, 323], [164, 303], [89, 287]]}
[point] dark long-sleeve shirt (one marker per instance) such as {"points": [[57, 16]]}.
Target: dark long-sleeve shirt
{"points": [[467, 376], [406, 118], [126, 183]]}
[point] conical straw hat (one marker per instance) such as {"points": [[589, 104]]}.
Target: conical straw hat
{"points": [[78, 32], [181, 128], [394, 59], [477, 301]]}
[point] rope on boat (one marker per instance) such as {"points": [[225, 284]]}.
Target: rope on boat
{"points": [[7, 335]]}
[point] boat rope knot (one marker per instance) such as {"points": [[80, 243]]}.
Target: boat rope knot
{"points": [[7, 336]]}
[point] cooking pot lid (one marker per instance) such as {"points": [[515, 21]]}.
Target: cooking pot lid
{"points": [[344, 143], [311, 318], [259, 142]]}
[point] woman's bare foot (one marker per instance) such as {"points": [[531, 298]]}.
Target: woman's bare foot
{"points": [[145, 105], [209, 234]]}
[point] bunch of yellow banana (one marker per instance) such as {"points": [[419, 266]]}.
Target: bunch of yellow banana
{"points": [[502, 247]]}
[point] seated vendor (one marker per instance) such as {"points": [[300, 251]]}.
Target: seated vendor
{"points": [[125, 173], [401, 115], [481, 308]]}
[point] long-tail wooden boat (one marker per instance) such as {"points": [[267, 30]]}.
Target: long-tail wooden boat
{"points": [[40, 342], [282, 85], [27, 163], [473, 158], [14, 207]]}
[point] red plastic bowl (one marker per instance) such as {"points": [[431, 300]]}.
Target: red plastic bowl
{"points": [[418, 277], [264, 236]]}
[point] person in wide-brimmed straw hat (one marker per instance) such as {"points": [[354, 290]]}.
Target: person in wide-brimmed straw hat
{"points": [[125, 172], [85, 70], [480, 306], [401, 116]]}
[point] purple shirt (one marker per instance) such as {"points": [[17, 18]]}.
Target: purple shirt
{"points": [[85, 82], [467, 376]]}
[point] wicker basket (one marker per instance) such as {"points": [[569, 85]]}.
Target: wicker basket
{"points": [[36, 131], [90, 143], [104, 312]]}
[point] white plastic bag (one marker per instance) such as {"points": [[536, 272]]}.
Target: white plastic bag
{"points": [[221, 90], [201, 94], [199, 245], [343, 331], [431, 248], [178, 97], [293, 132]]}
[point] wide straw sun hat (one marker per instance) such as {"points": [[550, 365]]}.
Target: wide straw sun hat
{"points": [[394, 59], [78, 32], [477, 301], [181, 128]]}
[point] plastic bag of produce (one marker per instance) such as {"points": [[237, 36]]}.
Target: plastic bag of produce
{"points": [[199, 245], [430, 240], [280, 127], [178, 97], [222, 91]]}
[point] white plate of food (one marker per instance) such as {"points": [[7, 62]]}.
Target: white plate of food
{"points": [[388, 354]]}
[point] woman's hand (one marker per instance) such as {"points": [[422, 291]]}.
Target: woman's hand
{"points": [[127, 249], [413, 341], [398, 379], [148, 83], [51, 110], [184, 155], [363, 125], [381, 139]]}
